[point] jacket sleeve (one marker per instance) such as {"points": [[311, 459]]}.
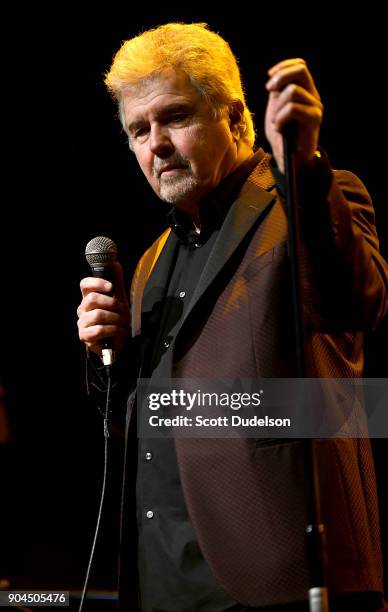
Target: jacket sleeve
{"points": [[344, 277]]}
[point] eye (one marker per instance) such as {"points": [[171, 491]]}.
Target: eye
{"points": [[179, 117], [141, 132]]}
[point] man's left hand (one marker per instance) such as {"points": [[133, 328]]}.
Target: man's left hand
{"points": [[293, 98]]}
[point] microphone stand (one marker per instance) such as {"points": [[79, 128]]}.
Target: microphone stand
{"points": [[315, 530]]}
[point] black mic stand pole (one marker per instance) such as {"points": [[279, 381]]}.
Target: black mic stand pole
{"points": [[315, 530]]}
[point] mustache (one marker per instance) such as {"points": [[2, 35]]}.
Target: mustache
{"points": [[177, 160]]}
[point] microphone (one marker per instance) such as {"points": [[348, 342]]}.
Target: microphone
{"points": [[101, 253]]}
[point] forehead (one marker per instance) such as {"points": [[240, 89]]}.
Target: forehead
{"points": [[151, 96]]}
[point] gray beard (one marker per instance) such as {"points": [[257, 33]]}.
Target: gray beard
{"points": [[174, 189]]}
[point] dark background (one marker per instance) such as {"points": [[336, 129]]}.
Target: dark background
{"points": [[69, 176]]}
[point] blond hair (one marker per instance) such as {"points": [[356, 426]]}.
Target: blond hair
{"points": [[203, 55]]}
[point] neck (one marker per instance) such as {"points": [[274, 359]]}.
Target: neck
{"points": [[191, 207]]}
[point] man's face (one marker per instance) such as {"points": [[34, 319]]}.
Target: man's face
{"points": [[183, 151]]}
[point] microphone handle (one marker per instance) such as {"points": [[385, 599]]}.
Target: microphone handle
{"points": [[107, 273]]}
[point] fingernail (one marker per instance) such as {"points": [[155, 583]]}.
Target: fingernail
{"points": [[107, 286], [272, 82]]}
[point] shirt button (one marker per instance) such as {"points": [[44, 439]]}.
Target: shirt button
{"points": [[182, 294], [166, 344], [148, 456], [149, 514]]}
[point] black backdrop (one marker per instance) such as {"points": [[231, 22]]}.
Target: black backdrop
{"points": [[69, 176]]}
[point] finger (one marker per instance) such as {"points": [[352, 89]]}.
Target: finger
{"points": [[98, 317], [295, 94], [297, 74], [97, 300], [96, 333], [301, 113], [89, 284], [286, 64]]}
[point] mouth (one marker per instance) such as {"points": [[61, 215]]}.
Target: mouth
{"points": [[168, 169]]}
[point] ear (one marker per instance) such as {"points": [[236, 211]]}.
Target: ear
{"points": [[236, 111]]}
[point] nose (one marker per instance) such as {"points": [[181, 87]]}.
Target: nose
{"points": [[160, 142]]}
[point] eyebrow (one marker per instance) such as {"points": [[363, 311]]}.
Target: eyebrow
{"points": [[170, 109]]}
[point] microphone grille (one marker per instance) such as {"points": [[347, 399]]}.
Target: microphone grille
{"points": [[100, 250]]}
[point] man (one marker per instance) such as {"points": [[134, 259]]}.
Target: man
{"points": [[221, 522]]}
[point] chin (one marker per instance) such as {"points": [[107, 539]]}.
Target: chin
{"points": [[176, 191]]}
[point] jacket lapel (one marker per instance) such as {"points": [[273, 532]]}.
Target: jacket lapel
{"points": [[144, 294], [159, 273], [250, 207]]}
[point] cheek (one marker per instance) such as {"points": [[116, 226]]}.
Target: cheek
{"points": [[145, 163], [208, 150], [194, 147]]}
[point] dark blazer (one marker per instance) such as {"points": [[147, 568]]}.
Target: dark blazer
{"points": [[247, 500]]}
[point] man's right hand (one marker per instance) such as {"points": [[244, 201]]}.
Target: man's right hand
{"points": [[101, 315]]}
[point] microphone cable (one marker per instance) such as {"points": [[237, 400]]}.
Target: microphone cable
{"points": [[96, 533]]}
